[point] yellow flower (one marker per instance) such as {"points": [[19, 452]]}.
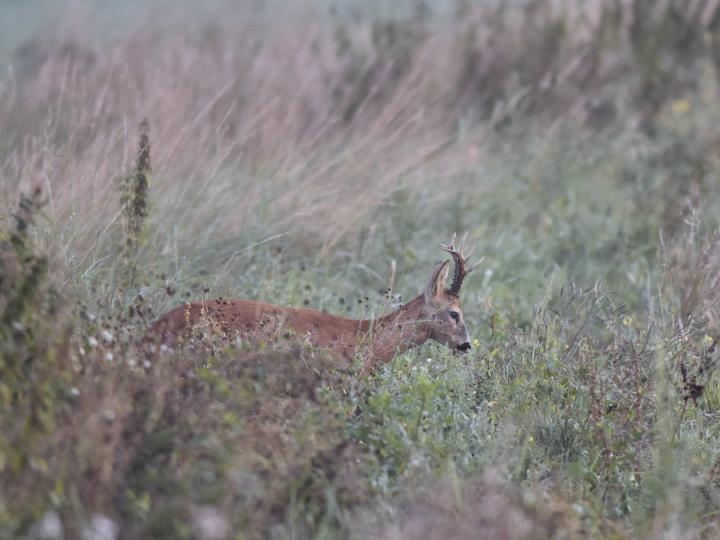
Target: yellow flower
{"points": [[680, 107], [476, 342], [627, 321], [531, 439], [708, 339]]}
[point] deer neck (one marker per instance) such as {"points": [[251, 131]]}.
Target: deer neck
{"points": [[398, 331]]}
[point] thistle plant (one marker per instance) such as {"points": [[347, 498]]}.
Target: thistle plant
{"points": [[135, 204]]}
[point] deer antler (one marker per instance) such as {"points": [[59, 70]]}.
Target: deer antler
{"points": [[460, 262]]}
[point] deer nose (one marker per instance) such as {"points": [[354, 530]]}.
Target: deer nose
{"points": [[464, 347]]}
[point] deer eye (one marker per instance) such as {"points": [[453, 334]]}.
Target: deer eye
{"points": [[455, 315]]}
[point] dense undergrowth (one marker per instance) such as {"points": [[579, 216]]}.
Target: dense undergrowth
{"points": [[317, 156]]}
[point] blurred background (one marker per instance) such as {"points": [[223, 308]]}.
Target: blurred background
{"points": [[538, 126]]}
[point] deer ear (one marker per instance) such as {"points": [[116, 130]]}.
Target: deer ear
{"points": [[436, 285]]}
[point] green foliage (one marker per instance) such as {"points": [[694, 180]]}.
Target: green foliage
{"points": [[34, 375]]}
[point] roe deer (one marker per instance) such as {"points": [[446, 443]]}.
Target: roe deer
{"points": [[435, 314]]}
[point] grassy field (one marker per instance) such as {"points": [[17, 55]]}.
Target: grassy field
{"points": [[313, 154]]}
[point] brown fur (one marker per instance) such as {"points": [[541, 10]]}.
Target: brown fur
{"points": [[426, 317]]}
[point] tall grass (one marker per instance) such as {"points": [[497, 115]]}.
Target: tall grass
{"points": [[317, 157]]}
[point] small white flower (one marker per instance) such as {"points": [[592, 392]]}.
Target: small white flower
{"points": [[109, 356], [209, 524], [48, 528], [107, 336], [109, 415], [74, 392], [131, 362], [100, 528], [147, 364], [164, 348], [429, 360], [92, 342], [18, 326], [81, 350]]}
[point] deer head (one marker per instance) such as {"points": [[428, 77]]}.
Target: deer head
{"points": [[441, 312]]}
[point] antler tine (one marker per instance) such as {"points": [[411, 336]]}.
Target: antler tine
{"points": [[462, 243], [460, 262], [476, 264], [472, 250], [450, 247]]}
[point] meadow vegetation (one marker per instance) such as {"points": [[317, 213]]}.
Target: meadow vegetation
{"points": [[310, 154]]}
